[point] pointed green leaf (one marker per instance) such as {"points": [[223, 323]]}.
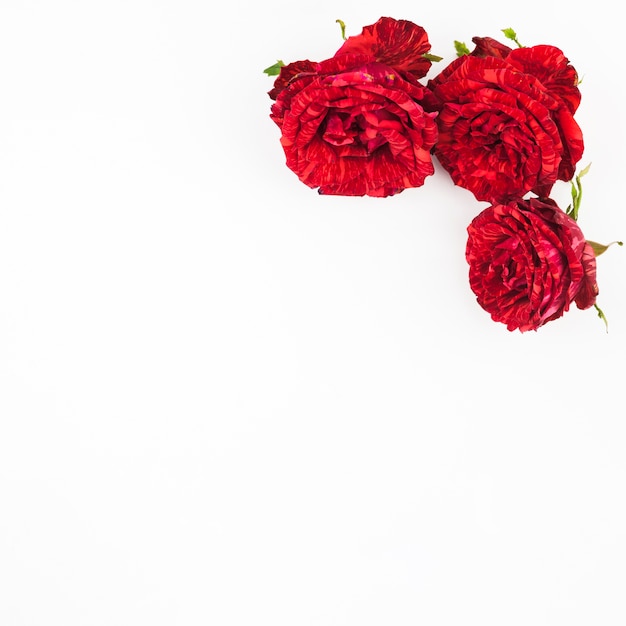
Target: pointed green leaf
{"points": [[599, 248], [461, 48], [274, 70], [431, 57]]}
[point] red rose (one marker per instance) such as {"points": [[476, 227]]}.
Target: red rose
{"points": [[506, 124], [353, 125], [397, 43], [528, 262]]}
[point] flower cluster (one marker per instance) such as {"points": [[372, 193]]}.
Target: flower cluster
{"points": [[499, 120]]}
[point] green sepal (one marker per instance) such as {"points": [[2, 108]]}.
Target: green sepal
{"points": [[461, 48], [600, 248], [343, 29], [431, 57], [274, 70]]}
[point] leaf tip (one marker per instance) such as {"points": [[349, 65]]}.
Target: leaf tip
{"points": [[274, 70], [509, 33]]}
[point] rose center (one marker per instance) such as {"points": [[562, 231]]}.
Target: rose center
{"points": [[365, 129], [487, 128], [339, 129]]}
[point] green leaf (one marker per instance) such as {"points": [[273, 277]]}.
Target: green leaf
{"points": [[599, 248], [461, 48], [509, 33], [274, 70], [431, 57], [343, 29]]}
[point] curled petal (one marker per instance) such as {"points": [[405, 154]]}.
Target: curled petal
{"points": [[290, 72], [488, 47]]}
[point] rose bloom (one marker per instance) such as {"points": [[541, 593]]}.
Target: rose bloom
{"points": [[528, 262], [354, 124], [506, 120]]}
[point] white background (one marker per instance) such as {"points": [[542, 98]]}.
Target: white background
{"points": [[226, 400]]}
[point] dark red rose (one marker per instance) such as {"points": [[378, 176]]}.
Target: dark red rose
{"points": [[354, 124], [506, 120], [398, 43], [528, 262]]}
